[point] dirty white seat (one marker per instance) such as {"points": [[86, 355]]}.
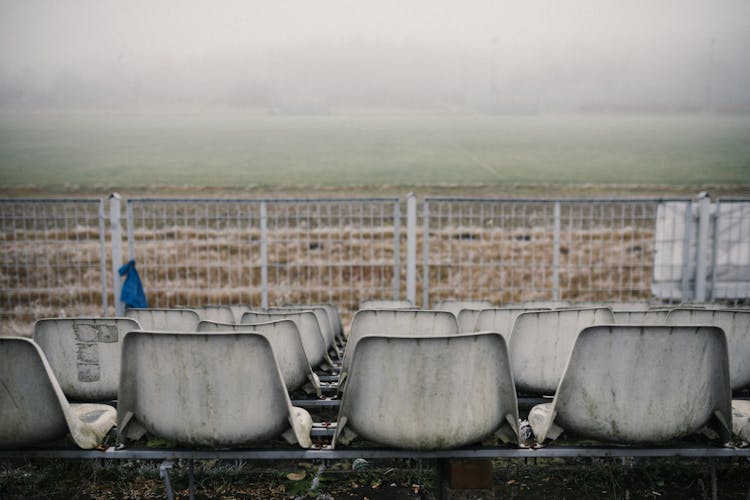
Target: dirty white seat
{"points": [[287, 349], [33, 408], [467, 320], [640, 384], [541, 342], [736, 326], [455, 306], [647, 317], [385, 304], [326, 328], [84, 354], [205, 389], [238, 310], [499, 320], [426, 393], [415, 323], [217, 313], [165, 320], [312, 338], [741, 419]]}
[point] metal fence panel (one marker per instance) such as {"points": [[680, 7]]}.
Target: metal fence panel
{"points": [[53, 260], [513, 250], [261, 252]]}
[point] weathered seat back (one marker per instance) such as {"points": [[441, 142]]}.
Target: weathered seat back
{"points": [[427, 393], [205, 389], [385, 304], [414, 323], [309, 330], [326, 328], [455, 306], [287, 349], [499, 320], [541, 342], [640, 384], [736, 326], [84, 354], [648, 317], [467, 320], [33, 408], [165, 320], [217, 313]]}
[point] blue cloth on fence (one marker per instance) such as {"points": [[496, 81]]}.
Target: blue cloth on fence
{"points": [[132, 290]]}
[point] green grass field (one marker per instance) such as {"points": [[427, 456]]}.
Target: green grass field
{"points": [[232, 149]]}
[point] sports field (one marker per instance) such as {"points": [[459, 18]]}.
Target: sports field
{"points": [[57, 150]]}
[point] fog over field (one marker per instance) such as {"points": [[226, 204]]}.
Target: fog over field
{"points": [[300, 56]]}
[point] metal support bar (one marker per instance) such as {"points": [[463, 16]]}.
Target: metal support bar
{"points": [[264, 255], [687, 237], [396, 249], [714, 250], [164, 475], [191, 478], [411, 248], [116, 235], [103, 255], [426, 255], [701, 257], [556, 255]]}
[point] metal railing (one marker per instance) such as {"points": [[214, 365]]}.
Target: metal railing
{"points": [[55, 254]]}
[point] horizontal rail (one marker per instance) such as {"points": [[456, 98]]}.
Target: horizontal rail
{"points": [[378, 453], [459, 199], [263, 200]]}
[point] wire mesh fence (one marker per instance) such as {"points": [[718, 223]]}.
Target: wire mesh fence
{"points": [[52, 261], [55, 253], [514, 250]]}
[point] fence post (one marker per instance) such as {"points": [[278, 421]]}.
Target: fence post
{"points": [[116, 236], [411, 248], [264, 255], [103, 254], [556, 255], [714, 250], [426, 255], [396, 249], [686, 240], [130, 230], [701, 257]]}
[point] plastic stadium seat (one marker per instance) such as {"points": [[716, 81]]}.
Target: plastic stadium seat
{"points": [[427, 393], [238, 310], [309, 330], [205, 389], [640, 384], [219, 314], [741, 419], [648, 317], [541, 343], [84, 354], [33, 408], [467, 320], [736, 326], [455, 306], [385, 304], [287, 349], [324, 322], [499, 320], [165, 320], [395, 322]]}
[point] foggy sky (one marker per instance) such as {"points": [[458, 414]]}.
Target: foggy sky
{"points": [[546, 53]]}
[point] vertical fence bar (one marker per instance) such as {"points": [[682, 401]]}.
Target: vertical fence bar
{"points": [[701, 259], [396, 249], [129, 229], [687, 237], [556, 255], [411, 248], [426, 254], [714, 250], [103, 255], [264, 255], [116, 234]]}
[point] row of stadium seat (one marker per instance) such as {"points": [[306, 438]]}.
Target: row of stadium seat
{"points": [[409, 371]]}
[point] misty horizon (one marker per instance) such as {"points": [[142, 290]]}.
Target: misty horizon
{"points": [[295, 56]]}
